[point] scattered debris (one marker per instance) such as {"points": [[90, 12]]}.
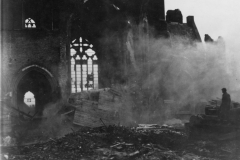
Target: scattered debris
{"points": [[97, 108], [102, 137], [117, 8], [211, 125], [118, 142], [9, 105]]}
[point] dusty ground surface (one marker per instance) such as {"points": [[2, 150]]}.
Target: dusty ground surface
{"points": [[115, 142]]}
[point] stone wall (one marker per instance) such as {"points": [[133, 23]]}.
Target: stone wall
{"points": [[106, 26], [25, 48]]}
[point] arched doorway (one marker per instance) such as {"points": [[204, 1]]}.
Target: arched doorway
{"points": [[40, 82]]}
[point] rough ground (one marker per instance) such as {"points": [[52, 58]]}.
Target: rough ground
{"points": [[118, 142]]}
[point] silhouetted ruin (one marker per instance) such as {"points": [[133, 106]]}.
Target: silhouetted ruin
{"points": [[103, 66]]}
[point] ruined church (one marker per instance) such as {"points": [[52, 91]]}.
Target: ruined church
{"points": [[54, 48]]}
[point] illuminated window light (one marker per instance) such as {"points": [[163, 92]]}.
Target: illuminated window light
{"points": [[86, 75], [95, 57], [30, 23], [73, 52], [90, 52], [84, 57], [29, 99], [78, 57]]}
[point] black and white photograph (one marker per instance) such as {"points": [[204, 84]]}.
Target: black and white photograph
{"points": [[120, 80]]}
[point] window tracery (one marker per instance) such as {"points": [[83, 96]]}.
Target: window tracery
{"points": [[84, 66], [30, 23]]}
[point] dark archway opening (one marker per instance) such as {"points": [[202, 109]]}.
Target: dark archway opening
{"points": [[39, 85]]}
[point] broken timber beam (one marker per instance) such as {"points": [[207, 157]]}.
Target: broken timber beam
{"points": [[15, 109]]}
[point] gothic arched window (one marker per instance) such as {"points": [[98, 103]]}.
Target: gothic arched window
{"points": [[30, 23], [84, 67]]}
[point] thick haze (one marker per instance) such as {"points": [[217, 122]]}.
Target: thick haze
{"points": [[216, 18]]}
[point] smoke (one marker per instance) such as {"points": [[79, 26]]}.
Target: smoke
{"points": [[52, 124], [56, 124], [177, 69]]}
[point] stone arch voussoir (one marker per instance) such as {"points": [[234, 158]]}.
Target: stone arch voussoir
{"points": [[25, 70]]}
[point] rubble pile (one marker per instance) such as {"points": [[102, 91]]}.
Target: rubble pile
{"points": [[118, 142], [91, 127]]}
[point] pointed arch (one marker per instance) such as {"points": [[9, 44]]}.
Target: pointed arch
{"points": [[84, 65], [30, 23], [24, 71]]}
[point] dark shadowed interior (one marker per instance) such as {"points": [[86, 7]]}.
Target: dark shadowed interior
{"points": [[39, 85]]}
